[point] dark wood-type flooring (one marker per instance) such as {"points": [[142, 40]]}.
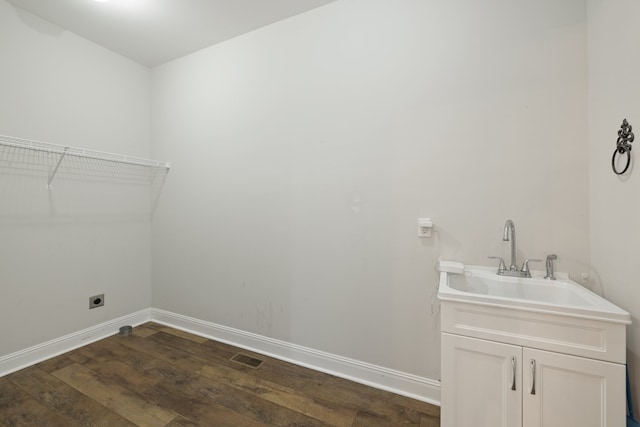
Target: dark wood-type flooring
{"points": [[159, 376]]}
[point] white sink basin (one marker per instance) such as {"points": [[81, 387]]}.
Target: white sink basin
{"points": [[481, 285]]}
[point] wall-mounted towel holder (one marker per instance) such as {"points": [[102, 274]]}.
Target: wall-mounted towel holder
{"points": [[623, 146]]}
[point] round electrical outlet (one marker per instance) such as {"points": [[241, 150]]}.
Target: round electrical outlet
{"points": [[96, 301]]}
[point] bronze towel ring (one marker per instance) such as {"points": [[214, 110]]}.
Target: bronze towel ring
{"points": [[623, 146]]}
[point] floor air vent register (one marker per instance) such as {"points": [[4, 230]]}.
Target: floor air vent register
{"points": [[249, 361]]}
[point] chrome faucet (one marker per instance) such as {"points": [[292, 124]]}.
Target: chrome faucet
{"points": [[550, 259], [509, 234]]}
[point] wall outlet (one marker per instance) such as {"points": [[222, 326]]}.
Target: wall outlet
{"points": [[424, 227], [96, 301]]}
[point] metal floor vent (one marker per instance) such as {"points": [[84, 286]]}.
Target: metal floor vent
{"points": [[249, 361]]}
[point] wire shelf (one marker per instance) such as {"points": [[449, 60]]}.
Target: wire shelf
{"points": [[28, 155]]}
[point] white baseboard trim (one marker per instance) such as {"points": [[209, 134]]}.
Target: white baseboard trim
{"points": [[38, 353], [402, 383]]}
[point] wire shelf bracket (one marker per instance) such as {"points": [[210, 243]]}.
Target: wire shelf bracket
{"points": [[55, 170], [67, 151]]}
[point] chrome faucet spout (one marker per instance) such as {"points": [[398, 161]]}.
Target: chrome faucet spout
{"points": [[509, 234]]}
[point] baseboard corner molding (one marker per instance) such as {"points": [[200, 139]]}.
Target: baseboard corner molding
{"points": [[40, 352], [413, 386]]}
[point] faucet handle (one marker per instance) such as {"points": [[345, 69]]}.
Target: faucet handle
{"points": [[502, 267], [525, 264]]}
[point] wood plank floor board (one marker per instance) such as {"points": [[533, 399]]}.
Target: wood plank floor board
{"points": [[115, 397], [113, 349], [162, 351], [231, 405], [144, 363], [255, 406], [251, 382], [427, 409], [66, 401], [29, 412], [367, 399], [144, 331], [427, 421], [186, 335], [153, 325], [181, 422], [369, 419], [9, 392], [118, 372], [159, 376], [190, 347], [33, 380], [198, 410], [349, 394], [173, 364], [55, 363]]}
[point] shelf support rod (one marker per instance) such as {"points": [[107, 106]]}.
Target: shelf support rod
{"points": [[53, 174]]}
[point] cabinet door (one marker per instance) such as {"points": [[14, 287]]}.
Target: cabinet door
{"points": [[481, 383], [570, 391]]}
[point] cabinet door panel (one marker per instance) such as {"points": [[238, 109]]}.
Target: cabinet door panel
{"points": [[572, 391], [477, 380]]}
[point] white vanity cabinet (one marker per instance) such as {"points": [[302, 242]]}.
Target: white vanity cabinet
{"points": [[492, 384], [529, 352]]}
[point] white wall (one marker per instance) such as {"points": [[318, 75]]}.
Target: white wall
{"points": [[305, 151], [614, 94], [91, 233]]}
